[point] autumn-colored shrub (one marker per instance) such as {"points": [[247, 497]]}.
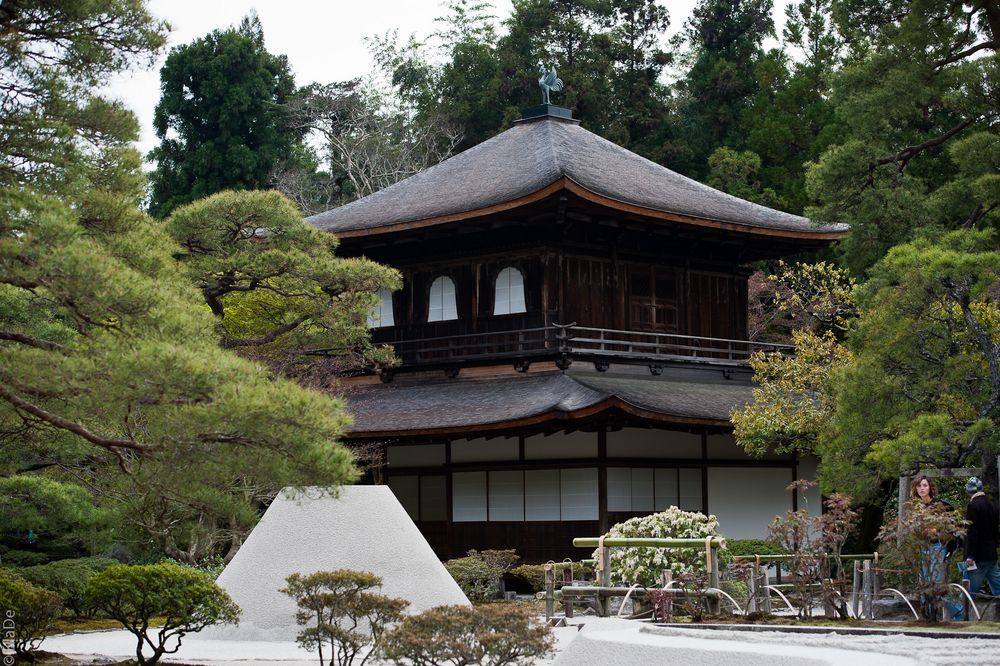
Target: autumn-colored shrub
{"points": [[490, 635], [340, 610]]}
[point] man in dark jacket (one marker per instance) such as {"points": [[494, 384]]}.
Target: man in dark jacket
{"points": [[981, 539]]}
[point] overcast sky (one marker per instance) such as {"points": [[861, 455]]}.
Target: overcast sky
{"points": [[324, 41]]}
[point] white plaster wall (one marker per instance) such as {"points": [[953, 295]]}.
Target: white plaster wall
{"points": [[808, 469], [746, 499]]}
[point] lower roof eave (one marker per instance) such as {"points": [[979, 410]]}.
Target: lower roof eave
{"points": [[550, 417]]}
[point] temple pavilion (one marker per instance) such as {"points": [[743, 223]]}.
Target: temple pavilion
{"points": [[572, 331]]}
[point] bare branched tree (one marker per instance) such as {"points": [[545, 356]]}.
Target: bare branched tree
{"points": [[368, 138]]}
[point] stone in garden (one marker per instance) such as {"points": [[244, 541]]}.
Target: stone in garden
{"points": [[363, 528]]}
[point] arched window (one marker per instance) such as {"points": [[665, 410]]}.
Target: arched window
{"points": [[442, 300], [509, 298], [382, 314]]}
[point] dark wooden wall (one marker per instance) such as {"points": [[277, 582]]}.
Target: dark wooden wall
{"points": [[666, 295]]}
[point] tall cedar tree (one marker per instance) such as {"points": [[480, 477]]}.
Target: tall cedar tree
{"points": [[726, 38], [220, 120]]}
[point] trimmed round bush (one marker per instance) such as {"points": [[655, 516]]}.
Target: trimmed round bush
{"points": [[133, 595], [644, 565], [490, 634], [68, 578], [28, 614]]}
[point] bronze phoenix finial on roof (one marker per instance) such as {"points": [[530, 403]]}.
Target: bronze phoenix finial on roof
{"points": [[548, 81]]}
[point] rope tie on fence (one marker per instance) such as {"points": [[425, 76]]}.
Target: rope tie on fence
{"points": [[708, 554]]}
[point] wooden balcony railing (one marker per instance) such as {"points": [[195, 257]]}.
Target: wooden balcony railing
{"points": [[572, 341]]}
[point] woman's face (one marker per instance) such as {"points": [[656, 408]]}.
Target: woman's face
{"points": [[924, 490]]}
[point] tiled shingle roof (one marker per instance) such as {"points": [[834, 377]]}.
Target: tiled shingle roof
{"points": [[464, 404], [536, 154]]}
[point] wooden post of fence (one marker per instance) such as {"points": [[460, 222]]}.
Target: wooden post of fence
{"points": [[667, 613], [866, 585], [567, 579], [605, 572], [752, 587], [855, 585], [966, 605], [550, 591], [764, 582], [714, 603]]}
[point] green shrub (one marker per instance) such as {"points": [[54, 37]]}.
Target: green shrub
{"points": [[189, 600], [743, 547], [345, 614], [474, 577], [480, 574], [68, 578], [213, 565], [492, 634], [534, 574], [28, 613], [644, 565], [24, 558]]}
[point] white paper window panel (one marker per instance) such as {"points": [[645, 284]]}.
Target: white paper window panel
{"points": [[382, 315], [746, 499], [561, 446], [481, 450], [725, 446], [442, 300], [651, 443], [509, 293], [578, 494], [808, 468], [689, 495], [433, 498], [642, 489], [666, 488], [407, 491], [416, 455], [468, 492], [619, 489], [507, 495], [541, 494]]}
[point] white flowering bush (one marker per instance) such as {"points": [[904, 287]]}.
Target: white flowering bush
{"points": [[645, 565]]}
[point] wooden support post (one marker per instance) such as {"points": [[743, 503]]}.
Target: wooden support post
{"points": [[605, 573], [764, 582], [867, 608], [855, 587], [829, 610], [966, 604], [668, 600], [567, 579], [550, 592], [714, 603], [752, 587]]}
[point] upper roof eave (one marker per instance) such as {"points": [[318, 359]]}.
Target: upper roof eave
{"points": [[535, 159], [565, 183]]}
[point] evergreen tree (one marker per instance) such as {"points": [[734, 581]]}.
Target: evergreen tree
{"points": [[725, 37], [920, 77], [219, 119], [112, 378]]}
